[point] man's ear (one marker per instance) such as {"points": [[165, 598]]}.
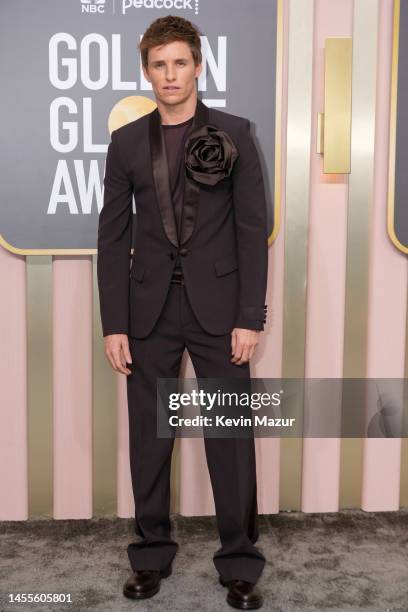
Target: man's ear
{"points": [[198, 70]]}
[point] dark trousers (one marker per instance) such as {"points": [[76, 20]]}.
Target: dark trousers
{"points": [[231, 461]]}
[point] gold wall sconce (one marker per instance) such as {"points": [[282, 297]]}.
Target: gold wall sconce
{"points": [[334, 124]]}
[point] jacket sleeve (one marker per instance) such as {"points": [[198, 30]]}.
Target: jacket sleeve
{"points": [[114, 242], [251, 232]]}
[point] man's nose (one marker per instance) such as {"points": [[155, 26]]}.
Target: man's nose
{"points": [[170, 74]]}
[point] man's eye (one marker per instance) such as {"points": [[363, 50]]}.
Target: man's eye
{"points": [[179, 63]]}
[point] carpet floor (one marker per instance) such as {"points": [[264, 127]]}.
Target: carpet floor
{"points": [[349, 560]]}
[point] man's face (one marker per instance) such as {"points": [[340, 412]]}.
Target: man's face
{"points": [[172, 72]]}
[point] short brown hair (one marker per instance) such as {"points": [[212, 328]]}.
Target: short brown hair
{"points": [[168, 29]]}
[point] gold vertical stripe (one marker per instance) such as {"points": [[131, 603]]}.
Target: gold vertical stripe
{"points": [[39, 358], [361, 182], [104, 419], [337, 104], [296, 227]]}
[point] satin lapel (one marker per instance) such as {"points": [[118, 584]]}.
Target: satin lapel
{"points": [[161, 176], [191, 187]]}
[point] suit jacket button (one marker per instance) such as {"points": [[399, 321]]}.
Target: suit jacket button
{"points": [[183, 251], [171, 255]]}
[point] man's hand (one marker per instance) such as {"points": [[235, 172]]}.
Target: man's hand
{"points": [[117, 352], [243, 344]]}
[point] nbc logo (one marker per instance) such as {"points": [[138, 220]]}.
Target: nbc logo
{"points": [[93, 6]]}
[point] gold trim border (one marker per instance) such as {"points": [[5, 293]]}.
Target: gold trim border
{"points": [[18, 251], [393, 130], [278, 123]]}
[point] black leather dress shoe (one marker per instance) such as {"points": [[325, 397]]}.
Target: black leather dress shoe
{"points": [[144, 583], [242, 594]]}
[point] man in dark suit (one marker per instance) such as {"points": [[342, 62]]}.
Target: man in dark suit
{"points": [[197, 280]]}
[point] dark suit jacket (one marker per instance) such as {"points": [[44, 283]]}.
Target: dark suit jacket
{"points": [[223, 241]]}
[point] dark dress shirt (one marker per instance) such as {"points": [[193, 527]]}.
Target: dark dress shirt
{"points": [[175, 138]]}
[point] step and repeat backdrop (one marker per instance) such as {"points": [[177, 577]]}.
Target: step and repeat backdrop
{"points": [[70, 70], [70, 73]]}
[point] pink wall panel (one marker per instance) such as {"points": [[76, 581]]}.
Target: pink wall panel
{"points": [[387, 294], [268, 359], [326, 273], [13, 380]]}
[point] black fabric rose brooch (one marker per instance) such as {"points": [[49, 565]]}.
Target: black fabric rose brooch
{"points": [[209, 155]]}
